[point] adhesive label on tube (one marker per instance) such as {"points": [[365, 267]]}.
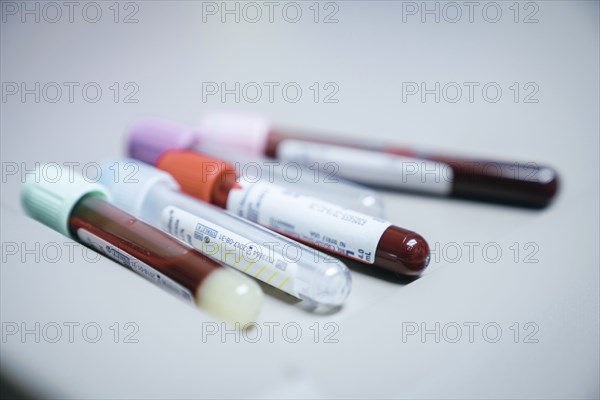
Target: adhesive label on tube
{"points": [[373, 167], [134, 264], [308, 219], [232, 249]]}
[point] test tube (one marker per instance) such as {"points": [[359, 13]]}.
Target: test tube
{"points": [[80, 210], [154, 196], [342, 231], [149, 138], [515, 183]]}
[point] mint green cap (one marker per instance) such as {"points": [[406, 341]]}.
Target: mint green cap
{"points": [[50, 201]]}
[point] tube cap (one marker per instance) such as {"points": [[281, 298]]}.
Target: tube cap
{"points": [[197, 174], [129, 181], [50, 201], [149, 138], [242, 132]]}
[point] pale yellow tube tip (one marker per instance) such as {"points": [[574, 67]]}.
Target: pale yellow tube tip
{"points": [[230, 296]]}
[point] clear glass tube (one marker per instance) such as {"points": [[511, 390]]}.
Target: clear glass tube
{"points": [[297, 269]]}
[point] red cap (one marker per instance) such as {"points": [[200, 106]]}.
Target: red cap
{"points": [[199, 176]]}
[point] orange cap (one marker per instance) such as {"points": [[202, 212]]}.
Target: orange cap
{"points": [[199, 176]]}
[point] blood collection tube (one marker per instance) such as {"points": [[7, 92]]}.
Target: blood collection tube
{"points": [[153, 195], [319, 223], [149, 138], [81, 210], [522, 184]]}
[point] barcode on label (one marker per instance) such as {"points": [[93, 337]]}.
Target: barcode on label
{"points": [[118, 256]]}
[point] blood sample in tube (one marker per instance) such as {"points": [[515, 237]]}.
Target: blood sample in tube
{"points": [[515, 183], [308, 219], [79, 209]]}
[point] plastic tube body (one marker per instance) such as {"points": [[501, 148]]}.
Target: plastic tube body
{"points": [[310, 220], [170, 258], [272, 258], [514, 183], [80, 209], [168, 263], [521, 184], [330, 227]]}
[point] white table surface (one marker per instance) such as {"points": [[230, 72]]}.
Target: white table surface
{"points": [[368, 53]]}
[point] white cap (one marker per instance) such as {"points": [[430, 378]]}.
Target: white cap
{"points": [[130, 181], [240, 132]]}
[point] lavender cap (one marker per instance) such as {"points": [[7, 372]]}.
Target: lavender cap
{"points": [[150, 138]]}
